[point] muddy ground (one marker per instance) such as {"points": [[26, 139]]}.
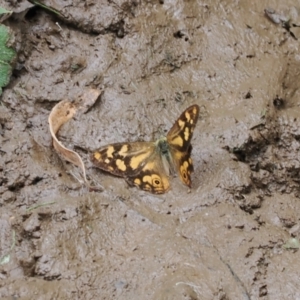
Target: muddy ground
{"points": [[226, 238]]}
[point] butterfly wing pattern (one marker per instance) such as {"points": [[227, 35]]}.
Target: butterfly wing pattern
{"points": [[179, 139], [149, 164]]}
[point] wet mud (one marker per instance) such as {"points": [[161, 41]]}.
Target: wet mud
{"points": [[226, 238]]}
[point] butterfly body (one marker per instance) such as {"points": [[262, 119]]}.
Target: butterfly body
{"points": [[149, 164]]}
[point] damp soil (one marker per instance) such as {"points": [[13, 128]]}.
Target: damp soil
{"points": [[229, 236]]}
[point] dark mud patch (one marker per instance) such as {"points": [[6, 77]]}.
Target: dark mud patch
{"points": [[223, 240]]}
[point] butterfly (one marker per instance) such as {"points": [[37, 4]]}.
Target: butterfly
{"points": [[148, 165]]}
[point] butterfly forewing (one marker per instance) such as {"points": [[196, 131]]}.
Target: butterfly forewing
{"points": [[123, 159], [181, 133]]}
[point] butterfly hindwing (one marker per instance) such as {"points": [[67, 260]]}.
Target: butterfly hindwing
{"points": [[152, 177], [183, 164]]}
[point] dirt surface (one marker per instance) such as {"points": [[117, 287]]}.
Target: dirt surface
{"points": [[226, 239]]}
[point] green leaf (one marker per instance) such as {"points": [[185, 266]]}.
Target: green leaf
{"points": [[292, 243], [7, 55], [5, 259], [4, 11], [4, 14]]}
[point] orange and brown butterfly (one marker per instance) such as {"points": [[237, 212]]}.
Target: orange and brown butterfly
{"points": [[149, 164]]}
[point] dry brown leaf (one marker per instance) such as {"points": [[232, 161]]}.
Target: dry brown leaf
{"points": [[62, 113]]}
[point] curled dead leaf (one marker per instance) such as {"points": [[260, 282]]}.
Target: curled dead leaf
{"points": [[62, 113]]}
